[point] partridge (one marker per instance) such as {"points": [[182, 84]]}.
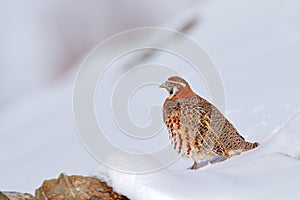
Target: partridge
{"points": [[197, 129]]}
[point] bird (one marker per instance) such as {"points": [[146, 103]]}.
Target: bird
{"points": [[197, 129]]}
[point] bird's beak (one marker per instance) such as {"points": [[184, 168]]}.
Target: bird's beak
{"points": [[164, 85]]}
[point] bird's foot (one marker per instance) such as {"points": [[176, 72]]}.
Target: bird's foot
{"points": [[194, 165], [199, 165]]}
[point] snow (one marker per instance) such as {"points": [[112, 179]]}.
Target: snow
{"points": [[286, 139], [255, 45], [271, 171]]}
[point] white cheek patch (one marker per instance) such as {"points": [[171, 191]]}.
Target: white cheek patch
{"points": [[175, 90]]}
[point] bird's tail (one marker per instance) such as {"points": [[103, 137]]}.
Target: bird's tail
{"points": [[249, 145]]}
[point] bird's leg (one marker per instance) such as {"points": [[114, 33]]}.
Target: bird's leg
{"points": [[194, 165]]}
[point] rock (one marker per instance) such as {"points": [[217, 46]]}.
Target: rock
{"points": [[15, 196], [75, 188]]}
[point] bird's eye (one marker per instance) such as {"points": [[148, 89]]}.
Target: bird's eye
{"points": [[171, 91]]}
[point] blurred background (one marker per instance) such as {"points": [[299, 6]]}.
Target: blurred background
{"points": [[41, 41], [42, 46], [254, 44]]}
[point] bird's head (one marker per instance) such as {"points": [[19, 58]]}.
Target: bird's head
{"points": [[177, 87]]}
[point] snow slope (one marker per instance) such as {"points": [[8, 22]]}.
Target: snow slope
{"points": [[255, 45], [271, 171]]}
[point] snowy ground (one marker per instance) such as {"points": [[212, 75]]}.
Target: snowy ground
{"points": [[255, 46]]}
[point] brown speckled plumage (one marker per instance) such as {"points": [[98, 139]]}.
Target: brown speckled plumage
{"points": [[198, 130]]}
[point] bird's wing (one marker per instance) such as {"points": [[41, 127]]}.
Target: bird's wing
{"points": [[199, 124]]}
